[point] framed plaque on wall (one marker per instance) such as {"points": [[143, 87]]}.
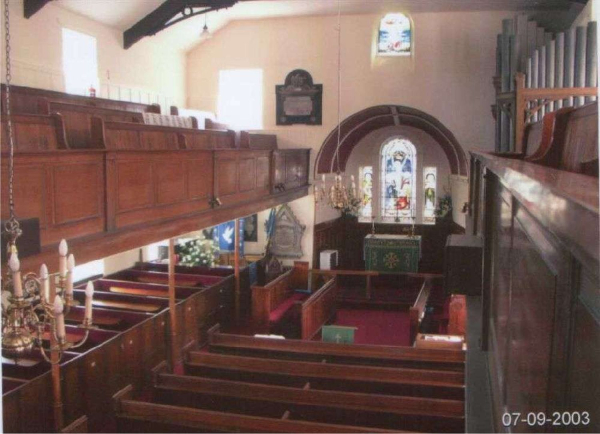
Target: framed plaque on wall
{"points": [[299, 101]]}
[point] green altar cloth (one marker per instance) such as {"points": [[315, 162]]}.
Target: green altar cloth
{"points": [[392, 253]]}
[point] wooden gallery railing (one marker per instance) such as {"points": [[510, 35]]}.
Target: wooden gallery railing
{"points": [[108, 186], [541, 310]]}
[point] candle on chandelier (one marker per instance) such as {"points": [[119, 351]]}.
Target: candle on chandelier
{"points": [[15, 267], [323, 178], [89, 294], [353, 185], [63, 249], [59, 317], [45, 283], [70, 267]]}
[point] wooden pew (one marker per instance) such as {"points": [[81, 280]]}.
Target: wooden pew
{"points": [[78, 121], [139, 416], [34, 133], [26, 100], [163, 278], [119, 135], [368, 379], [272, 296], [375, 355], [107, 319], [417, 311], [127, 302], [318, 309], [566, 139], [182, 269], [254, 140], [378, 411]]}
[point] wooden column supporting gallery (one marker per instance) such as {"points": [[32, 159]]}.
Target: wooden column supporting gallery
{"points": [[175, 355], [236, 267]]}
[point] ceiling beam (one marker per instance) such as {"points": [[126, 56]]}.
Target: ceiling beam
{"points": [[169, 13], [30, 7]]}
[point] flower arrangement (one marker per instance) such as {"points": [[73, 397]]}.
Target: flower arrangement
{"points": [[444, 207], [201, 251], [353, 207]]}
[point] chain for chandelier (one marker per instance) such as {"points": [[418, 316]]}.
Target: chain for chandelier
{"points": [[12, 225], [339, 96]]}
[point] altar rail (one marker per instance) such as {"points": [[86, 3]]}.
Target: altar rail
{"points": [[541, 305]]}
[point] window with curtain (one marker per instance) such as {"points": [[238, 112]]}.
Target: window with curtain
{"points": [[80, 62], [398, 181], [240, 103], [395, 35]]}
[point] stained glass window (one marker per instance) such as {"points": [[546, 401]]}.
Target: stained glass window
{"points": [[366, 188], [398, 181], [395, 36], [429, 194]]}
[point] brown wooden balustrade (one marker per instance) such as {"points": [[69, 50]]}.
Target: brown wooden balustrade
{"points": [[105, 202], [540, 284]]}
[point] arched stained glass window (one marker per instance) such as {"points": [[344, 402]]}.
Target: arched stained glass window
{"points": [[395, 35], [398, 181], [366, 188]]}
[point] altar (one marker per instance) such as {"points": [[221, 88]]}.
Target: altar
{"points": [[392, 253]]}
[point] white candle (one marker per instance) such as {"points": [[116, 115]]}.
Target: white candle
{"points": [[60, 318], [323, 178], [15, 267], [89, 294], [63, 249], [70, 267], [45, 283]]}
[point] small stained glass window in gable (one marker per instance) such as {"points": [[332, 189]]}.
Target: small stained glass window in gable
{"points": [[395, 36], [366, 188], [398, 181], [429, 192]]}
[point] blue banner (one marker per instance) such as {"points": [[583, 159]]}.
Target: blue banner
{"points": [[226, 238]]}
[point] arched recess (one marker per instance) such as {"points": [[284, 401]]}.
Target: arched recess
{"points": [[357, 126]]}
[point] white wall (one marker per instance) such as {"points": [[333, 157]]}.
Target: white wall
{"points": [[149, 72], [449, 76]]}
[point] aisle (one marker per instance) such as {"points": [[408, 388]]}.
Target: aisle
{"points": [[376, 327]]}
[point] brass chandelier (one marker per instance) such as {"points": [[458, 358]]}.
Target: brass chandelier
{"points": [[34, 306], [339, 197]]}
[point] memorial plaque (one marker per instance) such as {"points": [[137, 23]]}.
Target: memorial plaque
{"points": [[287, 234], [299, 101]]}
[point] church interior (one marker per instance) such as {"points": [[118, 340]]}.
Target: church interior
{"points": [[300, 216]]}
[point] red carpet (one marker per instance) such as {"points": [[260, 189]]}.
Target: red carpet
{"points": [[376, 327]]}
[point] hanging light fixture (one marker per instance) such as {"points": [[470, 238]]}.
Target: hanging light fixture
{"points": [[205, 34], [34, 306], [339, 197]]}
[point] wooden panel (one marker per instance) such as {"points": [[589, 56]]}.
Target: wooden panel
{"points": [[200, 176], [135, 188], [81, 184], [318, 309], [262, 172], [47, 187], [170, 182], [247, 174], [226, 176]]}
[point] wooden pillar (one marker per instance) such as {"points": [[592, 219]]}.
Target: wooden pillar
{"points": [[236, 268], [55, 369], [175, 356]]}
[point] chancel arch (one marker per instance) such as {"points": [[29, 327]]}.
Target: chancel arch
{"points": [[333, 157]]}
